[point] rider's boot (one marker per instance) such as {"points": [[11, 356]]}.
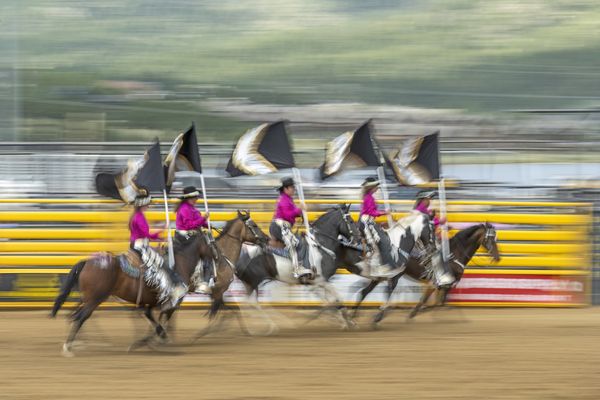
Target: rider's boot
{"points": [[199, 279], [178, 288], [443, 276], [300, 271]]}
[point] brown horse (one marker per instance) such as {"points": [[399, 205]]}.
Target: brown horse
{"points": [[101, 276], [229, 243], [462, 248]]}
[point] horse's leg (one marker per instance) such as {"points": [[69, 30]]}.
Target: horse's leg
{"points": [[253, 301], [333, 300], [391, 286], [426, 293], [215, 320], [156, 330], [363, 293], [79, 317]]}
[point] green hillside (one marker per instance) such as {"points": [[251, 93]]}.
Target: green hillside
{"points": [[478, 55]]}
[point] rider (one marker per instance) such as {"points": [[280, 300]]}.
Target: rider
{"points": [[443, 274], [373, 234], [156, 275], [190, 222], [281, 226], [422, 205]]}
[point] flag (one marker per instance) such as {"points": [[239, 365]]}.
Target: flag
{"points": [[261, 150], [351, 149], [142, 174], [183, 155], [151, 175], [418, 160]]}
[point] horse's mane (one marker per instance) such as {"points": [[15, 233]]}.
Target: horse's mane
{"points": [[463, 235], [227, 227], [327, 214]]}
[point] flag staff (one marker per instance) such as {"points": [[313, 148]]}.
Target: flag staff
{"points": [[169, 237], [298, 182]]}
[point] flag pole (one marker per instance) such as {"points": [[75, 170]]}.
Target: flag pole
{"points": [[205, 201], [169, 238], [298, 182], [386, 200], [444, 227]]}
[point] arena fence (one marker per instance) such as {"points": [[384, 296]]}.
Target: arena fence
{"points": [[545, 247]]}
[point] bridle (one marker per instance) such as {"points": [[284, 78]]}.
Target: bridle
{"points": [[490, 233], [249, 226]]}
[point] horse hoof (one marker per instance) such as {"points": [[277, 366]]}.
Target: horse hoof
{"points": [[375, 326], [66, 351]]}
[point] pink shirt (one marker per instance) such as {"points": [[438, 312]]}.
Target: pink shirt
{"points": [[139, 228], [189, 218], [421, 207], [286, 209], [369, 206]]}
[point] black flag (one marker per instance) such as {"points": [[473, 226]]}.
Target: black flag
{"points": [[143, 173], [261, 150], [354, 148], [418, 160], [151, 177], [183, 155]]}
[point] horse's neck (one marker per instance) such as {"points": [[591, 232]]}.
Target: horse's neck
{"points": [[230, 246], [328, 265], [469, 247]]}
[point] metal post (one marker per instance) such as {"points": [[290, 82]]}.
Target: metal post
{"points": [[298, 182], [444, 227], [386, 200], [169, 238]]}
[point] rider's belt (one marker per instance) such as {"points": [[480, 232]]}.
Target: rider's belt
{"points": [[141, 243], [283, 223], [366, 218], [187, 234]]}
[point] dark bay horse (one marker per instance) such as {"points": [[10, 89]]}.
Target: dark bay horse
{"points": [[234, 234], [101, 276], [462, 248]]}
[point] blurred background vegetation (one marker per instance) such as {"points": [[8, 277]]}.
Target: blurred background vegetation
{"points": [[135, 69]]}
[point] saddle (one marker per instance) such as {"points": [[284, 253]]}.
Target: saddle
{"points": [[131, 263]]}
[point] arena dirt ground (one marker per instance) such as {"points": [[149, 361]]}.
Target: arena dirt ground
{"points": [[454, 354]]}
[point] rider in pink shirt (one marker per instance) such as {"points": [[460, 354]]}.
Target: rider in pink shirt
{"points": [[376, 238], [189, 221], [156, 275], [284, 218]]}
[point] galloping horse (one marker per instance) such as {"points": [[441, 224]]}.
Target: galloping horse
{"points": [[256, 266], [462, 248], [229, 243], [102, 276], [334, 254]]}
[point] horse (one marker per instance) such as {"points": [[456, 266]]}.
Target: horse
{"points": [[252, 270], [462, 248], [229, 243], [102, 276]]}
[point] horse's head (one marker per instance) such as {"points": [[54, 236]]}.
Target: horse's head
{"points": [[338, 221], [251, 232], [490, 241], [348, 229]]}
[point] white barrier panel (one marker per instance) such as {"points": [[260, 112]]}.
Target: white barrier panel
{"points": [[474, 289]]}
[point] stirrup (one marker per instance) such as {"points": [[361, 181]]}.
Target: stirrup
{"points": [[203, 288], [303, 272]]}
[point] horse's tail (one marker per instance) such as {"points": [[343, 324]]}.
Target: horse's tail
{"points": [[71, 281]]}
